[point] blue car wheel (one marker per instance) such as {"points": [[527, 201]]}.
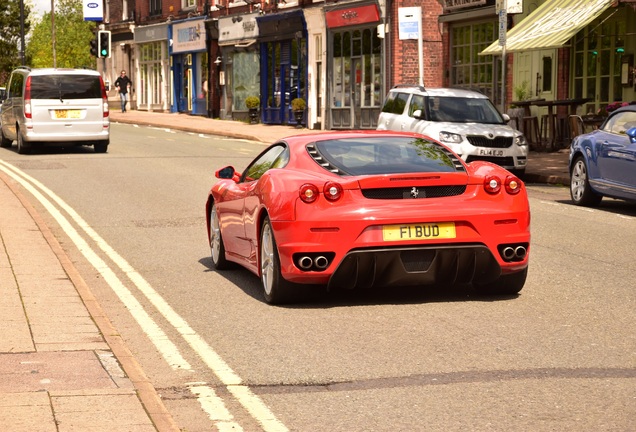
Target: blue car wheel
{"points": [[580, 189]]}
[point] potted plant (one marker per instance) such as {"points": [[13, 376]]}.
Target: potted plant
{"points": [[252, 103], [522, 92], [298, 106]]}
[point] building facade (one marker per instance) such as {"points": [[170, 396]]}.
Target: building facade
{"points": [[205, 57]]}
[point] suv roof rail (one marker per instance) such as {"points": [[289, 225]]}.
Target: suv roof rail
{"points": [[24, 67], [420, 87]]}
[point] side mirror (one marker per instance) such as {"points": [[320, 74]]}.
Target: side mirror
{"points": [[418, 114], [506, 118], [226, 173], [631, 133]]}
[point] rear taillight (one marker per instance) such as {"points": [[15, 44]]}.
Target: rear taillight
{"points": [[105, 110], [332, 191], [492, 184], [512, 185], [308, 193], [27, 99]]}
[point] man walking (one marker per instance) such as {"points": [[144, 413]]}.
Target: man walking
{"points": [[123, 85]]}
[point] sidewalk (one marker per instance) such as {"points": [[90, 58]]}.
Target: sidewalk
{"points": [[62, 366], [550, 168]]}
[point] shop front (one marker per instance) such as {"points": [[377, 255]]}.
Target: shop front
{"points": [[239, 66], [153, 66], [574, 49], [355, 56], [189, 63], [283, 58], [471, 26]]}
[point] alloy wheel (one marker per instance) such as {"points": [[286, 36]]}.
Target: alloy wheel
{"points": [[215, 236], [267, 259], [579, 180]]}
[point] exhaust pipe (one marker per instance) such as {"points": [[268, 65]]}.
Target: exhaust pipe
{"points": [[305, 262], [321, 262], [520, 252], [509, 253]]}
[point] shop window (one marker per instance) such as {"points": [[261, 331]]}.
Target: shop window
{"points": [[357, 68], [245, 73], [468, 68], [597, 57]]}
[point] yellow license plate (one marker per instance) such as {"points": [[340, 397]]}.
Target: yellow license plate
{"points": [[429, 231], [67, 114]]}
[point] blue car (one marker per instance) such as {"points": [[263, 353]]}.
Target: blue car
{"points": [[603, 162]]}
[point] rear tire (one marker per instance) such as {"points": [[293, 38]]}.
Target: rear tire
{"points": [[580, 189], [5, 142], [101, 147], [506, 284], [22, 148], [277, 290]]}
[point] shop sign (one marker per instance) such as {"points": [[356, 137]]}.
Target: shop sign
{"points": [[281, 26], [151, 33], [188, 36], [93, 10], [352, 16], [450, 5], [409, 22], [238, 27]]}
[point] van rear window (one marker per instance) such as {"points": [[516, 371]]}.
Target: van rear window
{"points": [[65, 87]]}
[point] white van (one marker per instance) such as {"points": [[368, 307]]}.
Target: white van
{"points": [[57, 107]]}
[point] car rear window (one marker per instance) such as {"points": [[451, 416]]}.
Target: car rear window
{"points": [[65, 87], [384, 155]]}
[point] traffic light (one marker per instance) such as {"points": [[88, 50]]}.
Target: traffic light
{"points": [[94, 48], [103, 38]]}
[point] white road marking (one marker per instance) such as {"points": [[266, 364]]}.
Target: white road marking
{"points": [[169, 351], [252, 403]]}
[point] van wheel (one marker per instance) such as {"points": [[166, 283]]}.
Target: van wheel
{"points": [[5, 142], [100, 147], [22, 149]]}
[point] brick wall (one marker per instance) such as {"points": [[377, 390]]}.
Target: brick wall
{"points": [[405, 67]]}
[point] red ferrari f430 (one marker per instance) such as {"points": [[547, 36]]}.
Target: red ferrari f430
{"points": [[369, 209]]}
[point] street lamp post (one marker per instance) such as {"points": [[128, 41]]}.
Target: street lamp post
{"points": [[53, 32], [22, 57]]}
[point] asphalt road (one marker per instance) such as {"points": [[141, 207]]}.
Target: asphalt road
{"points": [[561, 356]]}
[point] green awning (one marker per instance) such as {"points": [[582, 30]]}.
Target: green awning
{"points": [[551, 25]]}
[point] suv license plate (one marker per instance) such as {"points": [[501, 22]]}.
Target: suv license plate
{"points": [[489, 152], [65, 114], [444, 230]]}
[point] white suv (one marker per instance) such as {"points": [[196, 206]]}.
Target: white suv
{"points": [[464, 120], [60, 107]]}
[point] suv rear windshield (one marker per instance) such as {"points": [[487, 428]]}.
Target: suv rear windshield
{"points": [[386, 155], [65, 87]]}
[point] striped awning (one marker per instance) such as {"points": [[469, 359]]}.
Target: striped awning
{"points": [[551, 25]]}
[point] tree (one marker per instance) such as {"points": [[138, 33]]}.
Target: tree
{"points": [[72, 38], [10, 36]]}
